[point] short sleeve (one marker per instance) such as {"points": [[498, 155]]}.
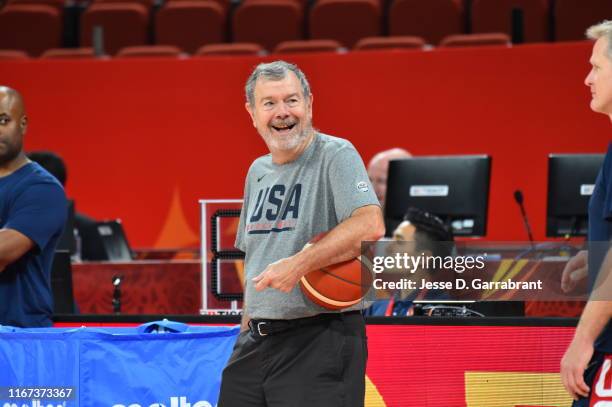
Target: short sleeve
{"points": [[240, 244], [350, 185], [39, 212]]}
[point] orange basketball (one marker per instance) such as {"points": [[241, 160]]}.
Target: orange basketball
{"points": [[337, 286]]}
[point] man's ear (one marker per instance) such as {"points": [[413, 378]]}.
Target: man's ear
{"points": [[310, 104], [249, 109], [23, 123]]}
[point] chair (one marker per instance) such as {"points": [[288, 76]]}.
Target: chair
{"points": [[389, 43], [56, 4], [225, 4], [124, 24], [429, 19], [32, 28], [471, 40], [141, 51], [235, 48], [6, 54], [268, 22], [147, 3], [573, 17], [496, 16], [68, 53], [295, 47], [346, 21], [190, 24]]}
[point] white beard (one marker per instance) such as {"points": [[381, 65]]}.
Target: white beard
{"points": [[287, 143]]}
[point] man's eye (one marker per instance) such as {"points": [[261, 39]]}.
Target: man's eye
{"points": [[4, 120], [268, 104]]}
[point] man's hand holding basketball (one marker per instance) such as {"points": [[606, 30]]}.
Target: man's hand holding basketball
{"points": [[281, 275]]}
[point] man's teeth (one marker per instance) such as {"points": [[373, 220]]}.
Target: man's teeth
{"points": [[283, 127]]}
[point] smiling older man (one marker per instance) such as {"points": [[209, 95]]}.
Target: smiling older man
{"points": [[292, 352]]}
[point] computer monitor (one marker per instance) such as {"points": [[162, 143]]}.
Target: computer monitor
{"points": [[105, 241], [455, 188], [571, 180], [61, 283]]}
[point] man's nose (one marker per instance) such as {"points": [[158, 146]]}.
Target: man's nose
{"points": [[588, 80], [282, 111]]}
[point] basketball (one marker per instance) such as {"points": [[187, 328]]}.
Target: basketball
{"points": [[337, 286]]}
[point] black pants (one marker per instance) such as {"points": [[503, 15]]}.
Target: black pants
{"points": [[320, 365]]}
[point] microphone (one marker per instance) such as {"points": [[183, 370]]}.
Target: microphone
{"points": [[518, 197], [116, 302]]}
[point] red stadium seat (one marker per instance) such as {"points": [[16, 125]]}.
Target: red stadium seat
{"points": [[68, 53], [389, 43], [225, 4], [429, 19], [490, 16], [124, 24], [237, 48], [57, 4], [268, 22], [573, 17], [190, 24], [141, 51], [294, 47], [471, 40], [147, 3], [346, 21], [32, 28], [13, 54]]}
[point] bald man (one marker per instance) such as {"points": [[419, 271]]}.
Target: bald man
{"points": [[32, 216], [378, 168]]}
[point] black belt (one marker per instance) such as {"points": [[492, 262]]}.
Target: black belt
{"points": [[265, 327]]}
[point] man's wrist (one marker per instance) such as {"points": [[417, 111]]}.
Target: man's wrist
{"points": [[584, 338], [299, 264]]}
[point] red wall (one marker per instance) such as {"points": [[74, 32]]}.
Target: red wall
{"points": [[135, 131]]}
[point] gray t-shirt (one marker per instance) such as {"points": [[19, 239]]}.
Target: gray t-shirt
{"points": [[287, 205]]}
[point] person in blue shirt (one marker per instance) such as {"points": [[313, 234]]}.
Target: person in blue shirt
{"points": [[429, 235], [32, 217], [583, 367]]}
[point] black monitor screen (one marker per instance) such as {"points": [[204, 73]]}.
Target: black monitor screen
{"points": [[61, 283], [105, 241], [571, 179], [455, 188]]}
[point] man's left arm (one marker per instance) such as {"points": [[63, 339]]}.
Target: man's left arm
{"points": [[13, 245], [596, 315], [38, 214], [342, 243]]}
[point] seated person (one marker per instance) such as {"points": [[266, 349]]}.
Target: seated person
{"points": [[427, 233], [378, 168], [54, 164]]}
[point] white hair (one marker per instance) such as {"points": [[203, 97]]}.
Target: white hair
{"points": [[603, 29]]}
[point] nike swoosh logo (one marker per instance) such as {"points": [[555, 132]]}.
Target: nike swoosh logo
{"points": [[262, 177]]}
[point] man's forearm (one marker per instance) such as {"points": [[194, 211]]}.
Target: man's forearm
{"points": [[343, 242], [594, 318], [598, 310], [13, 245]]}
